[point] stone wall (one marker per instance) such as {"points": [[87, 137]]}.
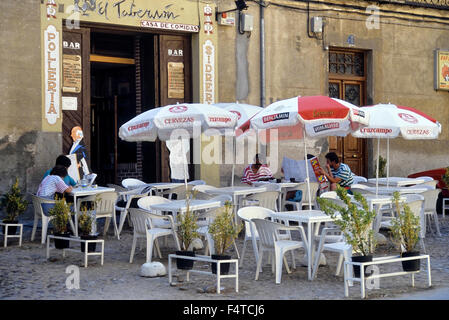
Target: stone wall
{"points": [[25, 151], [400, 67]]}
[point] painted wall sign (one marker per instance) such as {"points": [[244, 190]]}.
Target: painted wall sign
{"points": [[70, 103], [208, 25], [208, 72], [441, 70], [51, 9], [169, 26], [175, 80], [175, 52], [123, 9], [72, 73], [52, 74], [71, 45]]}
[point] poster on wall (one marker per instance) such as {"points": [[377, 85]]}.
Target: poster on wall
{"points": [[72, 73], [176, 80], [442, 70]]}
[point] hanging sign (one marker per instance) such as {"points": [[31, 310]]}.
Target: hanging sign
{"points": [[441, 70], [52, 74], [208, 72]]}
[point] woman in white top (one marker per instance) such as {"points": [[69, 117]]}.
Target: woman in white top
{"points": [[53, 185]]}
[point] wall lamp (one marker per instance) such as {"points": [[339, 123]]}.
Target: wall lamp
{"points": [[241, 5]]}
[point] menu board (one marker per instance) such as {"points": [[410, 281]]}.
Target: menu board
{"points": [[71, 73], [176, 80]]}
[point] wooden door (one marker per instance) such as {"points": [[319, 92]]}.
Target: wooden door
{"points": [[174, 83], [347, 81], [76, 49]]}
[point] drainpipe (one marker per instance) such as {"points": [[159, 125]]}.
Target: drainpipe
{"points": [[262, 54]]}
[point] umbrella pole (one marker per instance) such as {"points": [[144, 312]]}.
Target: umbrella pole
{"points": [[377, 167], [307, 169], [388, 161], [234, 147], [184, 163]]}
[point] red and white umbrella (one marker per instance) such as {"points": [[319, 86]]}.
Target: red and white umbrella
{"points": [[244, 112], [389, 121], [319, 115], [163, 121]]}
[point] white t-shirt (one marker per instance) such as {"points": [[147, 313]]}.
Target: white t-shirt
{"points": [[178, 158]]}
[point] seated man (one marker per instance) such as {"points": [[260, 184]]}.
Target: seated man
{"points": [[337, 172], [256, 172]]}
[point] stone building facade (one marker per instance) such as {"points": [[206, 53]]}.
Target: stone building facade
{"points": [[385, 51]]}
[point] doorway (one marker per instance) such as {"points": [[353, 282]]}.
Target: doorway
{"points": [[347, 81]]}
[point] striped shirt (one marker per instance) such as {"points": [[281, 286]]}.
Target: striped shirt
{"points": [[263, 173], [345, 174], [50, 185]]}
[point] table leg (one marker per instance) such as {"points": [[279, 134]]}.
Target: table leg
{"points": [[85, 253], [6, 236], [218, 277], [362, 281], [169, 270], [236, 277], [20, 238], [310, 253], [102, 252], [429, 277], [76, 216], [48, 247]]}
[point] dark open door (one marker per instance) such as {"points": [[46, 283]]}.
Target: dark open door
{"points": [[174, 83]]}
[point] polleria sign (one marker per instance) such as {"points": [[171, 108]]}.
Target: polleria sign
{"points": [[52, 74]]}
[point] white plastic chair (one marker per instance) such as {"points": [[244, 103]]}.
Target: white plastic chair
{"points": [[432, 183], [314, 186], [144, 228], [197, 182], [430, 211], [339, 246], [329, 195], [361, 188], [359, 179], [270, 240], [203, 187], [127, 196], [267, 199], [104, 205], [131, 183], [39, 214], [145, 203], [180, 192], [425, 178]]}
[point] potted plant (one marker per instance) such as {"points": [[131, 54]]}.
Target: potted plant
{"points": [[61, 214], [223, 231], [355, 221], [14, 205], [445, 177], [85, 222], [187, 232], [405, 230]]}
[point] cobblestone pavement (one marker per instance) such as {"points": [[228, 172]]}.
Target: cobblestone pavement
{"points": [[25, 273]]}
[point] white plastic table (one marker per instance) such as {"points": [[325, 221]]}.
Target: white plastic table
{"points": [[376, 203], [87, 191], [401, 190], [236, 192], [313, 219], [207, 259], [180, 206], [397, 181]]}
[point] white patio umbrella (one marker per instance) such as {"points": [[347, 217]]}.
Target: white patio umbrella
{"points": [[319, 115], [163, 121], [388, 121], [244, 112]]}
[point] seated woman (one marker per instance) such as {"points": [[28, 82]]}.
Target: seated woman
{"points": [[53, 185], [256, 172]]}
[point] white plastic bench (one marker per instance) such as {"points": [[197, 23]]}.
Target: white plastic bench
{"points": [[207, 259], [381, 260], [86, 247]]}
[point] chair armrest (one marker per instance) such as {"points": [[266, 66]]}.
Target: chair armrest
{"points": [[298, 228]]}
